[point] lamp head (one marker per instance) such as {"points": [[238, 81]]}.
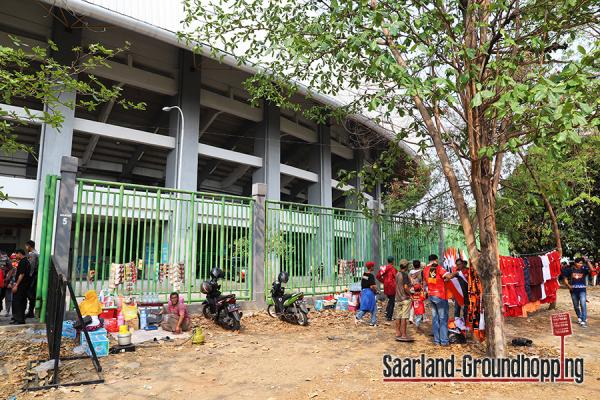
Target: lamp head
{"points": [[167, 108]]}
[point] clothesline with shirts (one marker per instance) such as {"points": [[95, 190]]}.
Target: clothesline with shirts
{"points": [[527, 282]]}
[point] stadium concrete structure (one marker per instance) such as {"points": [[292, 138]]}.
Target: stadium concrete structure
{"points": [[225, 146]]}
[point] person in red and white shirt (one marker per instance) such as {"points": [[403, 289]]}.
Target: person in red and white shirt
{"points": [[434, 276]]}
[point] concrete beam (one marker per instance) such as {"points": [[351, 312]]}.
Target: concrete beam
{"points": [[229, 155], [299, 173], [230, 106], [341, 150], [294, 129], [137, 77], [122, 133]]}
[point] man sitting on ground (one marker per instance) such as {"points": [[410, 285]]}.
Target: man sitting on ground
{"points": [[175, 315]]}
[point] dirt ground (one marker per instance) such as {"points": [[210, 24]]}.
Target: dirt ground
{"points": [[330, 359]]}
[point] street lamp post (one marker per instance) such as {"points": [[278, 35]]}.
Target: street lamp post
{"points": [[174, 252], [180, 150]]}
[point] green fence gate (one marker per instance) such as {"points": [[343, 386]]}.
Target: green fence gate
{"points": [[323, 249], [155, 230]]}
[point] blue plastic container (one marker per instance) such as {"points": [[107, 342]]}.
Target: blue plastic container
{"points": [[101, 347], [68, 331], [342, 304], [318, 305]]}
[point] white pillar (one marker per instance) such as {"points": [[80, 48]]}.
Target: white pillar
{"points": [[56, 142], [188, 99]]}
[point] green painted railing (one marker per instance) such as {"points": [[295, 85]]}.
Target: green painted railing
{"points": [[153, 227], [323, 249], [46, 244], [408, 238]]}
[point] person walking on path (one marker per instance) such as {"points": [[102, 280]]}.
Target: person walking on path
{"points": [[434, 276], [368, 304], [575, 277], [387, 276], [403, 303]]}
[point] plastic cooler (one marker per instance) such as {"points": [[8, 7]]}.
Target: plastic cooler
{"points": [[99, 341]]}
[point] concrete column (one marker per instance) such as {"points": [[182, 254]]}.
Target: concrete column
{"points": [[259, 193], [355, 164], [56, 142], [188, 99], [267, 146], [320, 193]]}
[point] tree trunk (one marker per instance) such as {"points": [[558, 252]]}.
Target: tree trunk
{"points": [[488, 269]]}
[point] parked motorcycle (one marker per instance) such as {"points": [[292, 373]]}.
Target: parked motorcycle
{"points": [[287, 307], [223, 309]]}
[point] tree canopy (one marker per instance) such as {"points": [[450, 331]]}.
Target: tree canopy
{"points": [[474, 78]]}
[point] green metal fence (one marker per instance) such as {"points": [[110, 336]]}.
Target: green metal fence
{"points": [[46, 243], [323, 249], [153, 229], [408, 238]]}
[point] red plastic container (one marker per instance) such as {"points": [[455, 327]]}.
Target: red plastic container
{"points": [[111, 325], [109, 313]]}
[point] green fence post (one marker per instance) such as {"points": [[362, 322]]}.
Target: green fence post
{"points": [[49, 237], [38, 291]]}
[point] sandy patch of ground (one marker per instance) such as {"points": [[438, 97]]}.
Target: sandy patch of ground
{"points": [[330, 359]]}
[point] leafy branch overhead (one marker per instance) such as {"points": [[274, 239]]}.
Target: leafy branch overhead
{"points": [[30, 74]]}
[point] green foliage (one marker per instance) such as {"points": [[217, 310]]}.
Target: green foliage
{"points": [[571, 181], [277, 245], [31, 73], [403, 180]]}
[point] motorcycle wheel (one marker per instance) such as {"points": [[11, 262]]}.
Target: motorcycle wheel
{"points": [[206, 312], [271, 311], [302, 318], [235, 324]]}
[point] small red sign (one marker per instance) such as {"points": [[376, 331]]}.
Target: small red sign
{"points": [[561, 324]]}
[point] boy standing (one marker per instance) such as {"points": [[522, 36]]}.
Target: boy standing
{"points": [[403, 303], [418, 305]]}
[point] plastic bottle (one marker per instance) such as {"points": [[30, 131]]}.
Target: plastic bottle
{"points": [[143, 319]]}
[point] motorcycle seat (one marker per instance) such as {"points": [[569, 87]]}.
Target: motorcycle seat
{"points": [[226, 296]]}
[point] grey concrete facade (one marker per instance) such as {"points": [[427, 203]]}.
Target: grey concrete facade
{"points": [[56, 142], [320, 161], [188, 99], [267, 146]]}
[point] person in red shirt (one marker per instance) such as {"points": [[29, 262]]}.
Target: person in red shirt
{"points": [[434, 276], [418, 305], [387, 276]]}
